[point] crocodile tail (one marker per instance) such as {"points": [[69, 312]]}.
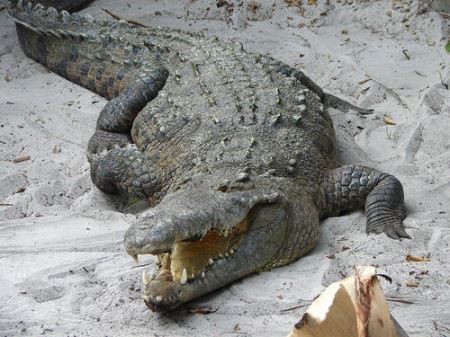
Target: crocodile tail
{"points": [[48, 21], [69, 45], [68, 5]]}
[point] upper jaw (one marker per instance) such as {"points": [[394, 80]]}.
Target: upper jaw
{"points": [[190, 215]]}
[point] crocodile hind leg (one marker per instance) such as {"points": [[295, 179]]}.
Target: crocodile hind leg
{"points": [[115, 166], [329, 99], [352, 187]]}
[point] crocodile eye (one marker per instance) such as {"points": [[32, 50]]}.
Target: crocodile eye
{"points": [[223, 186]]}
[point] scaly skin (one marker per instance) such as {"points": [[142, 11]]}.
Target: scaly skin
{"points": [[68, 5], [235, 151]]}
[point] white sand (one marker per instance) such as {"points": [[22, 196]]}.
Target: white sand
{"points": [[63, 270]]}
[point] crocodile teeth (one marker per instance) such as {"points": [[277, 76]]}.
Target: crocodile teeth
{"points": [[210, 262], [297, 118], [38, 7], [231, 251], [158, 299], [183, 278], [225, 234], [135, 258], [145, 278], [203, 274], [64, 15], [52, 12]]}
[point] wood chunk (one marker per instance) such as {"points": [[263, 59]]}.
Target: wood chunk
{"points": [[353, 307]]}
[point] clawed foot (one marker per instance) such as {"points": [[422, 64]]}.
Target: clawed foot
{"points": [[393, 229]]}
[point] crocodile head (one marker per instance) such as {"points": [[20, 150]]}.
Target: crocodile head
{"points": [[205, 238]]}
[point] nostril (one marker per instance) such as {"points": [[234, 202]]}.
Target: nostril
{"points": [[144, 239], [153, 307]]}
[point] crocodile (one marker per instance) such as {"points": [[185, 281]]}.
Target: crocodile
{"points": [[234, 151]]}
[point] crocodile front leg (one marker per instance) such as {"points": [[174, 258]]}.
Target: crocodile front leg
{"points": [[116, 168], [126, 171], [352, 187]]}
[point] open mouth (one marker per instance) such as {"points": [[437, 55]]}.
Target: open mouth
{"points": [[191, 259], [185, 267], [199, 249]]}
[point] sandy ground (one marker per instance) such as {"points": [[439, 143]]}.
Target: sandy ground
{"points": [[63, 270]]}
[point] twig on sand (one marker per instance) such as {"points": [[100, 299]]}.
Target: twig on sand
{"points": [[399, 300], [140, 265], [404, 51], [118, 17], [296, 307]]}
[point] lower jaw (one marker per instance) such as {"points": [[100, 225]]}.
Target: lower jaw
{"points": [[164, 293]]}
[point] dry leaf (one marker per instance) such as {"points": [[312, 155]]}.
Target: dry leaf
{"points": [[365, 90], [8, 77], [20, 190], [412, 284], [411, 258], [388, 120], [57, 149]]}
